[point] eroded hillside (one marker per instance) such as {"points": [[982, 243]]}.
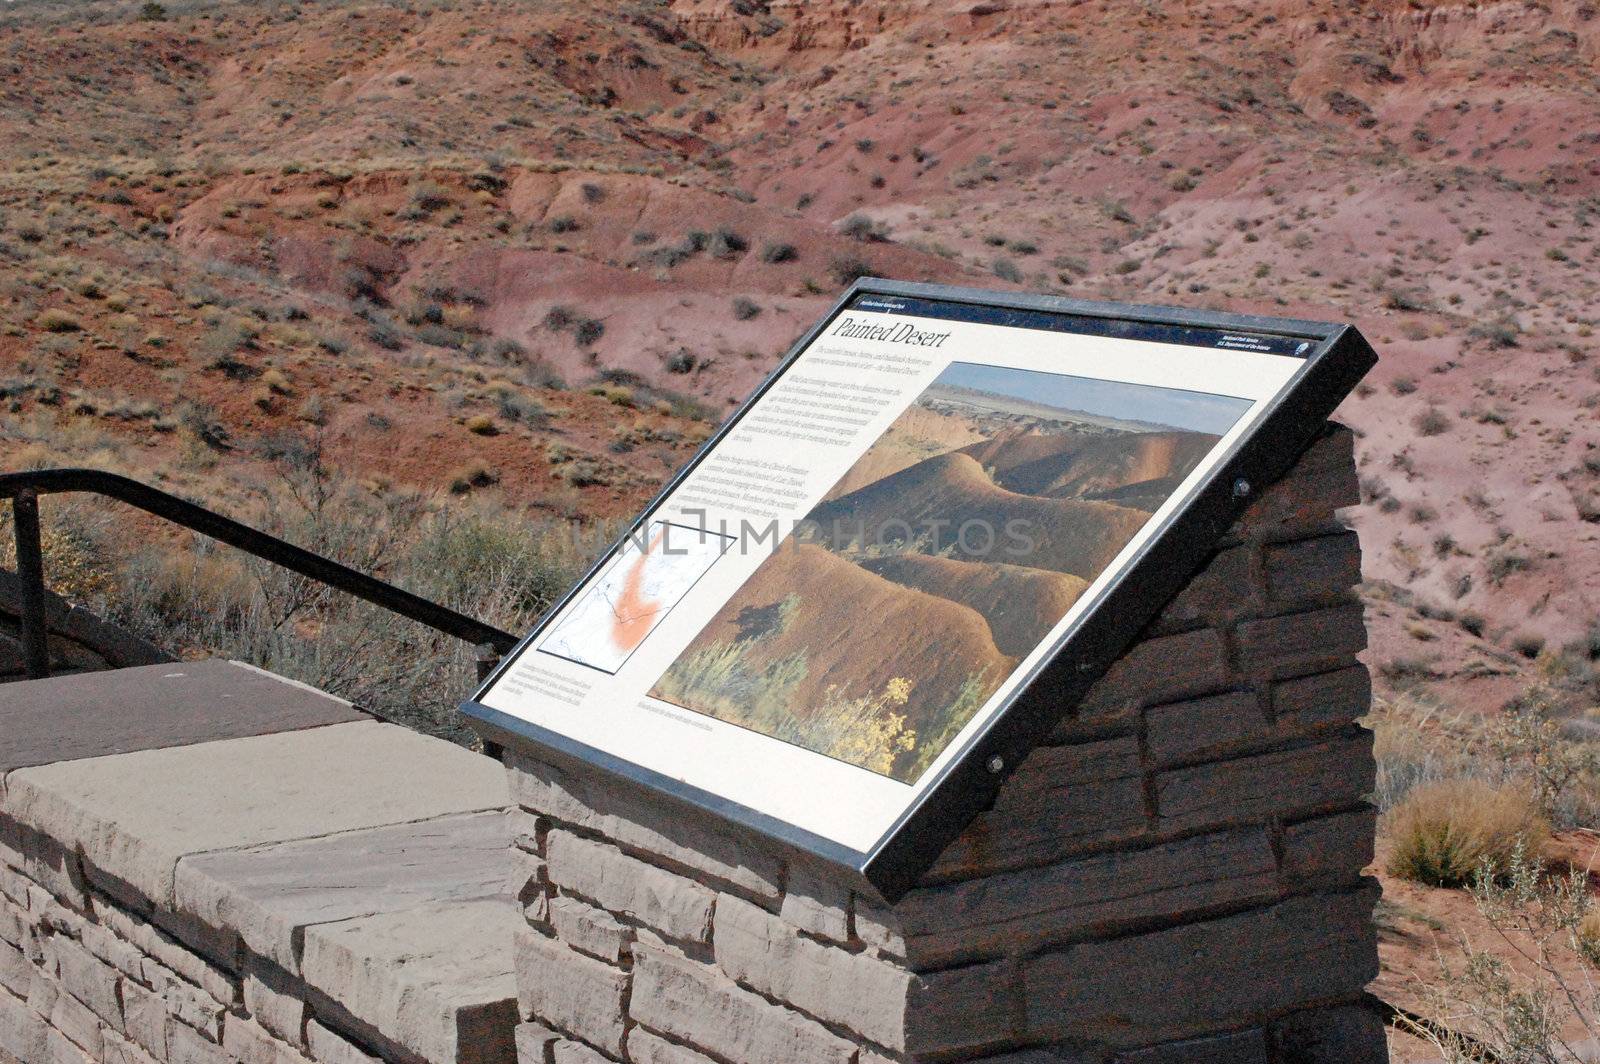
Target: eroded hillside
{"points": [[533, 251]]}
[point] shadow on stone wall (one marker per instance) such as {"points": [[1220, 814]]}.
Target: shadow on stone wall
{"points": [[80, 641]]}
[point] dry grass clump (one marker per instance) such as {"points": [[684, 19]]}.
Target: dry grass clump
{"points": [[1588, 937], [1448, 833], [58, 321]]}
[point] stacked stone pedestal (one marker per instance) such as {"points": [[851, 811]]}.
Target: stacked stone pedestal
{"points": [[1173, 878], [202, 863]]}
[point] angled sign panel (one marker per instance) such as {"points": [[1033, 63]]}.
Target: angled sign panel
{"points": [[918, 544]]}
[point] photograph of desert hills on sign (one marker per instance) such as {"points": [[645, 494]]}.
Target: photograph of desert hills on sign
{"points": [[947, 553]]}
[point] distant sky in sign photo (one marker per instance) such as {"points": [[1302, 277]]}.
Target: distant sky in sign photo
{"points": [[1195, 411]]}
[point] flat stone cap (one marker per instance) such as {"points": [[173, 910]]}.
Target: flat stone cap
{"points": [[135, 816], [93, 714], [364, 859]]}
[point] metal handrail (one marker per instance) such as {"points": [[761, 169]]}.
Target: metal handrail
{"points": [[24, 489]]}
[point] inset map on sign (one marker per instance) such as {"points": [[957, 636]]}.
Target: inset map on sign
{"points": [[653, 572]]}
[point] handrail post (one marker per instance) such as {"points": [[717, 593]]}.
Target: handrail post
{"points": [[487, 658], [30, 571]]}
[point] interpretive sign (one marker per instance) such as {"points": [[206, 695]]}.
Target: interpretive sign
{"points": [[911, 551]]}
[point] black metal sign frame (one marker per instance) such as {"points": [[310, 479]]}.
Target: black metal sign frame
{"points": [[1335, 357]]}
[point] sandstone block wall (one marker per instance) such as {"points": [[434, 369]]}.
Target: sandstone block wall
{"points": [[202, 863], [1173, 878], [83, 978]]}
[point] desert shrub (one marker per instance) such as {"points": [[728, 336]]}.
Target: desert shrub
{"points": [[523, 408], [1431, 422], [727, 244], [385, 334], [588, 332], [1399, 297], [276, 382], [667, 257], [1006, 270], [503, 349], [585, 472], [563, 223], [200, 421], [1528, 644], [475, 475], [559, 317], [592, 193], [745, 308], [440, 336], [1117, 211], [489, 180], [429, 196], [1588, 936], [682, 361], [1505, 560], [1517, 995], [1502, 332], [1403, 385], [58, 321], [364, 283], [482, 425], [428, 313], [846, 269], [776, 251], [1527, 741], [860, 227], [1448, 833]]}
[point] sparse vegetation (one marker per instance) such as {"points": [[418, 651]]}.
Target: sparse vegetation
{"points": [[861, 227], [588, 331], [1431, 422], [195, 596], [59, 321], [1006, 270], [1502, 332], [1516, 996], [845, 270], [726, 243], [1445, 834], [777, 251]]}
